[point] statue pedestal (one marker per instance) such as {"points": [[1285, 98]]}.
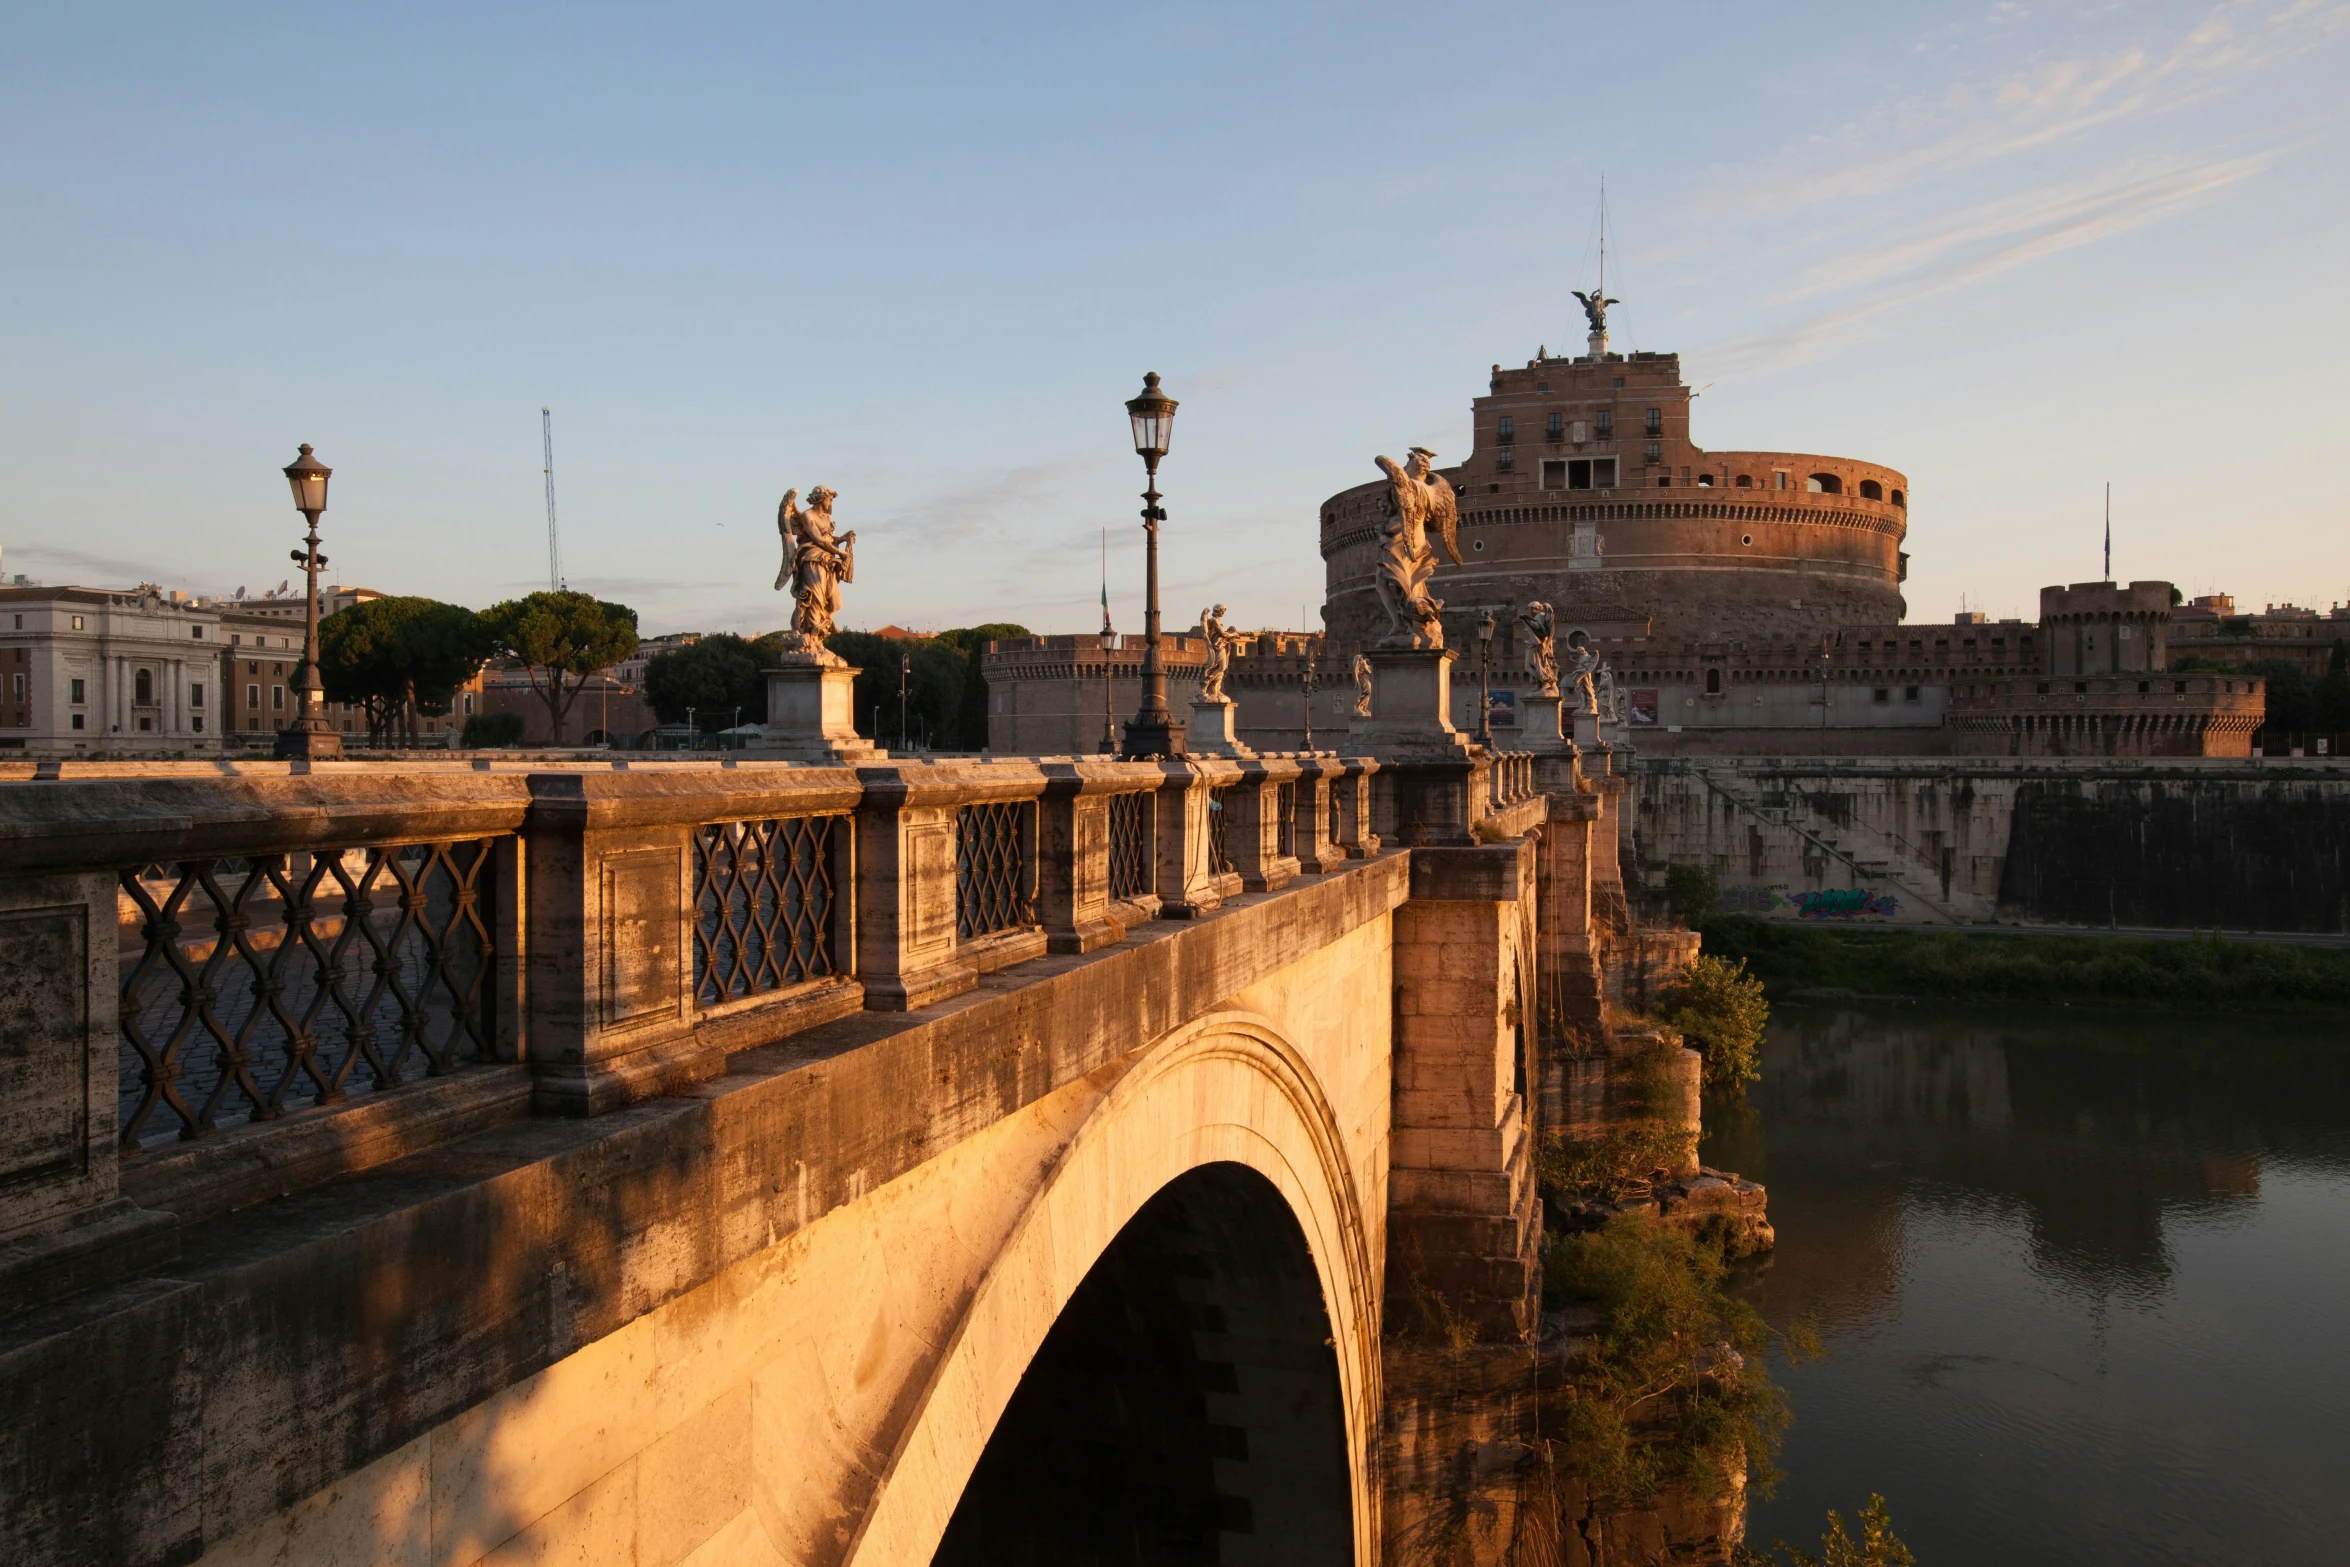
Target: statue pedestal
{"points": [[1545, 734], [1211, 732], [1586, 730], [811, 715], [1411, 703]]}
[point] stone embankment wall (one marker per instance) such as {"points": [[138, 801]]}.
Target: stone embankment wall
{"points": [[2193, 844]]}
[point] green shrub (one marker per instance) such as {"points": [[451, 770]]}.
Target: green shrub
{"points": [[491, 731], [1691, 891], [1878, 1545], [1720, 1010], [1672, 1391]]}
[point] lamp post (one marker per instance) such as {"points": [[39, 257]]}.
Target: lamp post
{"points": [[1153, 731], [1306, 684], [1485, 681], [309, 739], [905, 673]]}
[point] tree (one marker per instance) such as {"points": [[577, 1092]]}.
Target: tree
{"points": [[1691, 891], [714, 678], [388, 654], [562, 634], [971, 706], [932, 685], [1878, 1545], [2332, 698], [2292, 696], [1720, 1010]]}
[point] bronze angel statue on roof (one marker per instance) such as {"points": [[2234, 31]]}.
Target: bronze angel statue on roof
{"points": [[1418, 499], [1595, 307], [815, 564]]}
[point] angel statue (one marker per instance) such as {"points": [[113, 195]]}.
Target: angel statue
{"points": [[815, 564], [1595, 307], [1417, 499], [1362, 673], [1579, 672], [1611, 696], [1542, 659], [1220, 640]]}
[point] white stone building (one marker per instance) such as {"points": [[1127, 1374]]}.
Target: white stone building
{"points": [[85, 671]]}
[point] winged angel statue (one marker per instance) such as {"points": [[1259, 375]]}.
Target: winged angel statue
{"points": [[815, 564], [1417, 499]]}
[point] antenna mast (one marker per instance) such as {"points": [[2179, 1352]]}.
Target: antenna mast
{"points": [[2109, 530], [554, 545]]}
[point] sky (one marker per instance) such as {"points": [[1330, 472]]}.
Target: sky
{"points": [[922, 254]]}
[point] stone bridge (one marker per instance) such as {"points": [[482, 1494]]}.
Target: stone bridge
{"points": [[691, 1162]]}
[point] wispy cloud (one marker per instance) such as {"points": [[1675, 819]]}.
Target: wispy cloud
{"points": [[1970, 248]]}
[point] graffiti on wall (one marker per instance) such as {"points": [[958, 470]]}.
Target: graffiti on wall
{"points": [[1841, 903], [1844, 903]]}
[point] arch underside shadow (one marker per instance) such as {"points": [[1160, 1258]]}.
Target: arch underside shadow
{"points": [[1185, 1407], [1177, 1347]]}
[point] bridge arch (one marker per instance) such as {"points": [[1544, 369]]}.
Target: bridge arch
{"points": [[1221, 1128]]}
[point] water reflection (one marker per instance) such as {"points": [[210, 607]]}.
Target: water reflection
{"points": [[2080, 1279]]}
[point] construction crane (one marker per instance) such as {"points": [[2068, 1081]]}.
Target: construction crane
{"points": [[554, 544]]}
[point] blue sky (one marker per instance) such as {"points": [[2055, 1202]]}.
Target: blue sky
{"points": [[921, 254]]}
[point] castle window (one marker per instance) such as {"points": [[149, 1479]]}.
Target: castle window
{"points": [[1705, 481], [1664, 481], [1881, 694], [1713, 682], [1509, 429], [1656, 421], [1603, 473], [1778, 478], [1556, 426], [1506, 459], [1554, 475], [1745, 483], [1871, 490], [1607, 422], [1909, 693], [1897, 500], [1824, 484], [1655, 451]]}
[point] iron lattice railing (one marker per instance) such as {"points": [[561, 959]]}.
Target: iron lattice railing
{"points": [[1285, 828], [1219, 811], [763, 906], [268, 983], [1130, 845], [995, 868]]}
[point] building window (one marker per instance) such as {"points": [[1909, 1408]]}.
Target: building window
{"points": [[196, 695], [1745, 483], [1881, 694], [1509, 429], [20, 622], [468, 702], [1656, 421], [1507, 460], [77, 720], [1713, 682], [1705, 481], [253, 697], [197, 723], [1909, 693], [143, 690], [277, 698], [1555, 426], [1897, 500], [1824, 484], [1871, 490], [1778, 478], [1607, 422], [17, 682], [76, 687], [1554, 475], [146, 725], [1655, 451], [197, 632], [77, 622]]}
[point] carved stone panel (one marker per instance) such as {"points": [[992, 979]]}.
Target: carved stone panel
{"points": [[642, 908], [44, 1043]]}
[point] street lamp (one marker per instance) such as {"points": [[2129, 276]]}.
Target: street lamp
{"points": [[1306, 684], [1485, 681], [309, 739], [1153, 731]]}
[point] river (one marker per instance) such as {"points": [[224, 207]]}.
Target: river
{"points": [[2082, 1280]]}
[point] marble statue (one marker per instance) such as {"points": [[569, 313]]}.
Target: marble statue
{"points": [[815, 564], [1542, 659], [1220, 640], [1582, 663], [1362, 672], [1611, 695], [1417, 499]]}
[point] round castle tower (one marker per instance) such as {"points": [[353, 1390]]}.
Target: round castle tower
{"points": [[1584, 489]]}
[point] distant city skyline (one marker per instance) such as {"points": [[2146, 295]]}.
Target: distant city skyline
{"points": [[2015, 253]]}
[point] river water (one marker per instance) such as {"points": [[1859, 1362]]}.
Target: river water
{"points": [[2083, 1280]]}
